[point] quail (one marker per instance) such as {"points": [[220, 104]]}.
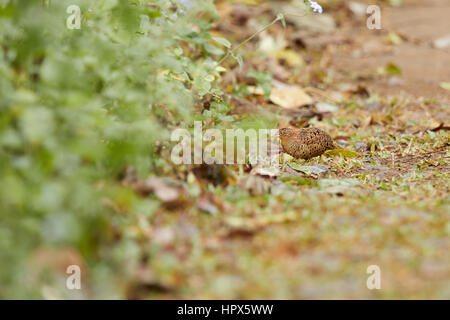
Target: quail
{"points": [[305, 143]]}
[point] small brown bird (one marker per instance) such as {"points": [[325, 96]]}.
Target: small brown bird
{"points": [[305, 143]]}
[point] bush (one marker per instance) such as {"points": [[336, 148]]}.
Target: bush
{"points": [[77, 107]]}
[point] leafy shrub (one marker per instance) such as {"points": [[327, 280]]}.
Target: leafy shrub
{"points": [[77, 107]]}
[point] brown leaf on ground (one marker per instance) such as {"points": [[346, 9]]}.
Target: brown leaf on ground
{"points": [[441, 126]]}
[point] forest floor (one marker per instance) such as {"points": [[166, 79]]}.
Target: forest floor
{"points": [[308, 235]]}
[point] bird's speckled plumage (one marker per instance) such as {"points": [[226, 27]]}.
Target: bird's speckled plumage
{"points": [[305, 143]]}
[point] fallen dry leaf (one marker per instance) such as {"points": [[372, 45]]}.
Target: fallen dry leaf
{"points": [[289, 57], [441, 126], [289, 97]]}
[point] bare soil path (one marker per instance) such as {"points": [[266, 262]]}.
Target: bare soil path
{"points": [[418, 24]]}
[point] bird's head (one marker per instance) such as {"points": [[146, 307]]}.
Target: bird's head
{"points": [[286, 132]]}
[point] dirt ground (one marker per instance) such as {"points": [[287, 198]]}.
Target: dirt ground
{"points": [[309, 242], [424, 67]]}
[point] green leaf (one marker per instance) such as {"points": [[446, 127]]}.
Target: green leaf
{"points": [[213, 49], [342, 152], [209, 78], [178, 51], [222, 41], [280, 17], [239, 60]]}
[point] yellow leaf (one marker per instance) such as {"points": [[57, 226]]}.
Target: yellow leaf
{"points": [[292, 58], [342, 152], [290, 97]]}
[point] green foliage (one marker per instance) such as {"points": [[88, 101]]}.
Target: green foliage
{"points": [[77, 106], [263, 79]]}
